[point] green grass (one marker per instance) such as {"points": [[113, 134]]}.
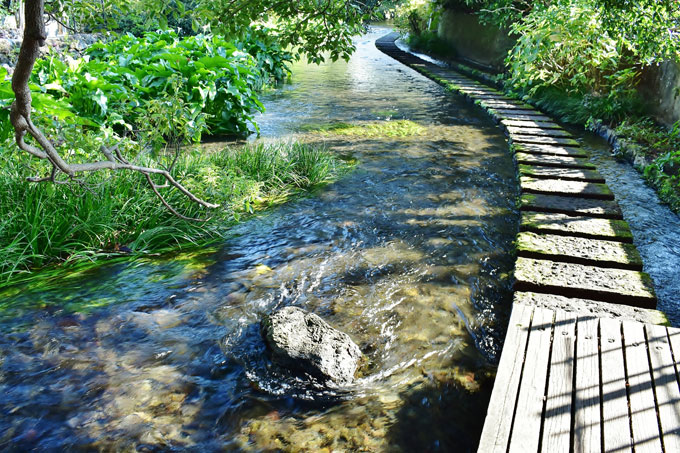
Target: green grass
{"points": [[113, 214], [375, 129]]}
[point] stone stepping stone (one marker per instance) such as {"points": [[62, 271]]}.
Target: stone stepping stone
{"points": [[471, 88], [578, 189], [509, 115], [529, 123], [509, 112], [553, 161], [593, 252], [544, 140], [536, 131], [566, 225], [619, 286], [569, 174], [590, 307], [488, 95], [513, 105], [457, 77], [569, 205], [555, 150], [466, 86]]}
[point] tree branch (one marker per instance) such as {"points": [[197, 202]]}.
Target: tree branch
{"points": [[20, 117]]}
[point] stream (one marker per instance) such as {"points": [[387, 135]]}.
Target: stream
{"points": [[408, 254]]}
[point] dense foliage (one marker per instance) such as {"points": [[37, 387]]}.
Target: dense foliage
{"points": [[315, 28], [582, 60], [564, 50], [116, 80], [591, 50]]}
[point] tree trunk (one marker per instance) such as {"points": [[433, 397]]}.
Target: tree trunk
{"points": [[20, 116]]}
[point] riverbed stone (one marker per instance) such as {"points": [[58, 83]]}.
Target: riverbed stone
{"points": [[553, 161], [588, 282], [542, 140], [562, 224], [578, 250], [566, 188], [537, 131], [590, 307], [574, 174], [302, 341], [570, 205]]}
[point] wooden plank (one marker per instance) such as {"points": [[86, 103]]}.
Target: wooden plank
{"points": [[646, 436], [560, 397], [497, 426], [529, 411], [665, 386], [587, 427], [591, 307], [616, 425], [674, 337]]}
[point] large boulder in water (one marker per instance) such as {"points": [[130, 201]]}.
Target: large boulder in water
{"points": [[303, 341]]}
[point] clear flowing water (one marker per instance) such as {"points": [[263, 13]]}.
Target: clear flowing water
{"points": [[655, 228], [409, 254]]}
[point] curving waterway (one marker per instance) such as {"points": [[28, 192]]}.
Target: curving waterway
{"points": [[408, 253]]}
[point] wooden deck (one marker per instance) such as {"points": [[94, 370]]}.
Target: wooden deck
{"points": [[573, 382]]}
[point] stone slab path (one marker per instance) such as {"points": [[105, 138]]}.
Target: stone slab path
{"points": [[586, 365], [563, 198]]}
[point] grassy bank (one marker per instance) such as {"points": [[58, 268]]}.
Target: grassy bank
{"points": [[47, 224]]}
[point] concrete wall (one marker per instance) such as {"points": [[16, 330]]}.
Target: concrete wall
{"points": [[470, 40], [660, 86]]}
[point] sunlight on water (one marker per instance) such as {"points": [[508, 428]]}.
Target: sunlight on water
{"points": [[409, 254]]}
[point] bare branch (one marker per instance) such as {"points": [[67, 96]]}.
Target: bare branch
{"points": [[20, 117]]}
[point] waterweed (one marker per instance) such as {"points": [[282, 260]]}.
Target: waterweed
{"points": [[375, 129]]}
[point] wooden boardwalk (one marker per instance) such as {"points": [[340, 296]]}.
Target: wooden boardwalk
{"points": [[570, 382], [586, 365]]}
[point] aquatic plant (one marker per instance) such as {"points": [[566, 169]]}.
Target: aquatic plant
{"points": [[388, 128], [43, 224]]}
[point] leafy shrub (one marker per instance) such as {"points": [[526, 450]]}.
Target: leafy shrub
{"points": [[272, 60], [417, 16], [565, 47], [112, 85]]}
